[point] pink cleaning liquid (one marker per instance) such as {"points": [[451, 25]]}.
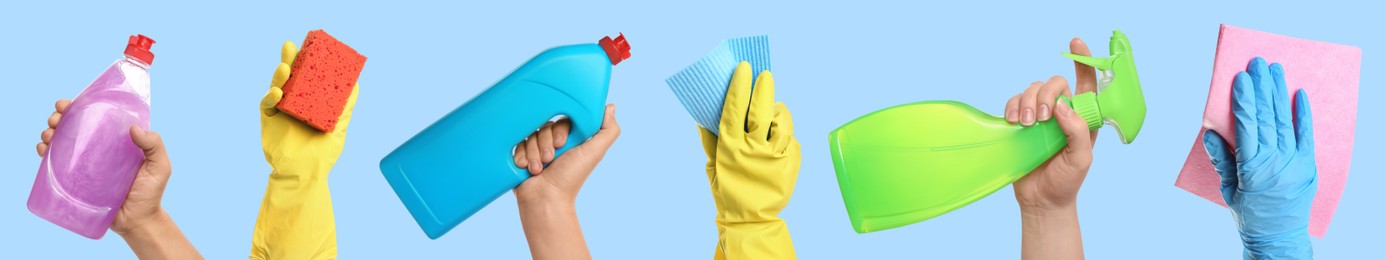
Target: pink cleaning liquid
{"points": [[91, 159]]}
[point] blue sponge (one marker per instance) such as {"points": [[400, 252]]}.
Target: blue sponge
{"points": [[702, 87]]}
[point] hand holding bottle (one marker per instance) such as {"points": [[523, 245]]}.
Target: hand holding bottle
{"points": [[1048, 195], [546, 200], [1055, 184], [141, 221]]}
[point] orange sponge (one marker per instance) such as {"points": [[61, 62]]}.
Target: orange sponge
{"points": [[323, 76]]}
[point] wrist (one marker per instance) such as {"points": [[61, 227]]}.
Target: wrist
{"points": [[1044, 214], [545, 204], [144, 227], [1037, 209], [551, 228], [156, 237], [1050, 223], [545, 196], [1038, 203], [1050, 233]]}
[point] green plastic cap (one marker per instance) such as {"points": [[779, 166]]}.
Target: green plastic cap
{"points": [[1088, 109]]}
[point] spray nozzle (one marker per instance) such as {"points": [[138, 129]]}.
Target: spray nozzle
{"points": [[1120, 102]]}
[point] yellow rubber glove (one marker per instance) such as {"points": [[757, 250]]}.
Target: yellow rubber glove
{"points": [[295, 219], [752, 166]]}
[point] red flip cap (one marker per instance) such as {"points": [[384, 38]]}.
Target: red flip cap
{"points": [[617, 50], [139, 48]]}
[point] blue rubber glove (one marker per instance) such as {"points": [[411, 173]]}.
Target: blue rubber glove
{"points": [[1270, 181]]}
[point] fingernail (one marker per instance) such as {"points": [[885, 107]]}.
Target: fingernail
{"points": [[137, 130], [1044, 112], [1010, 116], [1027, 117]]}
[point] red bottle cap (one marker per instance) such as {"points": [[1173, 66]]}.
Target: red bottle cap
{"points": [[617, 50], [139, 48]]}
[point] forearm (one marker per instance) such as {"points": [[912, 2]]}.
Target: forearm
{"points": [[552, 229], [1048, 233], [295, 220], [159, 238]]}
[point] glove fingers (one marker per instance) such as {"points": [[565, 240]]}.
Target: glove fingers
{"points": [[1265, 103], [762, 108], [791, 171], [1304, 122], [1244, 110], [271, 99], [738, 98], [782, 129], [733, 124], [281, 75], [1284, 125], [345, 118], [1223, 162], [288, 52]]}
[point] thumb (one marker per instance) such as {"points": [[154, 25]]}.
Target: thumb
{"points": [[1223, 162], [709, 142], [608, 133], [270, 100], [595, 148], [155, 157], [1074, 127]]}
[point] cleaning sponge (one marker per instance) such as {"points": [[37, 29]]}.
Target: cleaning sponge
{"points": [[702, 87], [324, 74]]}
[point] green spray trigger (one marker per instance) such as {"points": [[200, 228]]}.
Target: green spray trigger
{"points": [[1099, 63]]}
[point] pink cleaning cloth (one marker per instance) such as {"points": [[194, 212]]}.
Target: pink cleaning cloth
{"points": [[1328, 72]]}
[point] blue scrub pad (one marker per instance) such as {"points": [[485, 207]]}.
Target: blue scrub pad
{"points": [[702, 87]]}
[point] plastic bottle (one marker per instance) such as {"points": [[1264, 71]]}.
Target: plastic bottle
{"points": [[462, 162], [912, 162], [91, 160]]}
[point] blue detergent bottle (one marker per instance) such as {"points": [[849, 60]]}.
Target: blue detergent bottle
{"points": [[462, 162]]}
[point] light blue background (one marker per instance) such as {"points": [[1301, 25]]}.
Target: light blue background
{"points": [[649, 199]]}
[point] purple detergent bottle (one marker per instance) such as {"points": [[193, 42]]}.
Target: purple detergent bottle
{"points": [[91, 159]]}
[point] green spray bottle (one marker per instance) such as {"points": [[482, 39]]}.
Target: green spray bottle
{"points": [[916, 161]]}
